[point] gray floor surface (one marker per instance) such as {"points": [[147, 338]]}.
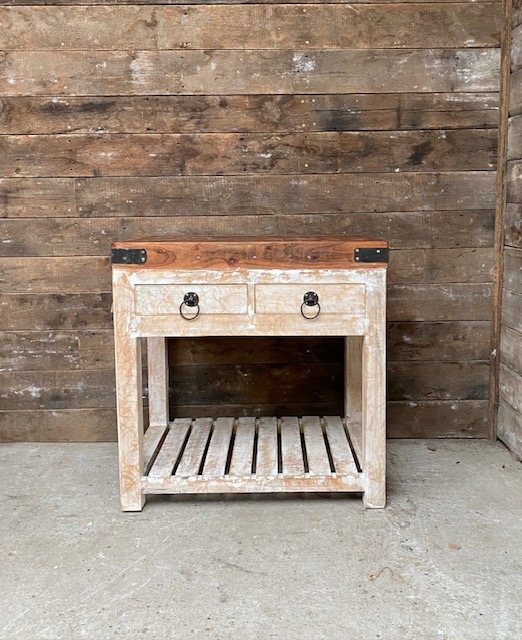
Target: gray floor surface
{"points": [[442, 561]]}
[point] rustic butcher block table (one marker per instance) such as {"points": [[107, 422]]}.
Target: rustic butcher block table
{"points": [[250, 287]]}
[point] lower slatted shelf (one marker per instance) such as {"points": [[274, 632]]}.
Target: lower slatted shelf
{"points": [[252, 455]]}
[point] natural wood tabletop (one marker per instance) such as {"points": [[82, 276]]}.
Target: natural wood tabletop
{"points": [[251, 252]]}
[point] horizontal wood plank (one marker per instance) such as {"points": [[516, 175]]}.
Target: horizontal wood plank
{"points": [[94, 349], [83, 73], [246, 195], [248, 113], [439, 302], [42, 312], [438, 380], [251, 26], [236, 195], [62, 237], [445, 341], [234, 153], [84, 274], [446, 419]]}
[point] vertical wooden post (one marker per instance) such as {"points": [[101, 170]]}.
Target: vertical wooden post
{"points": [[374, 394], [128, 395], [353, 378], [158, 377]]}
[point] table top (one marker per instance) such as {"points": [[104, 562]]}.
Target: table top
{"points": [[263, 252]]}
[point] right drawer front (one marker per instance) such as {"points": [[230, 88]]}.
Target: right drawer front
{"points": [[342, 299]]}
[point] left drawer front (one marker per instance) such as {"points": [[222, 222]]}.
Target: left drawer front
{"points": [[165, 299]]}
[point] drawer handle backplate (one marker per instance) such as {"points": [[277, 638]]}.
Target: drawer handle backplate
{"points": [[310, 299], [190, 300]]}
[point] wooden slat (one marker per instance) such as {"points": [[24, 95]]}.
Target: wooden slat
{"points": [[61, 237], [248, 113], [339, 447], [407, 266], [195, 448], [196, 195], [41, 312], [99, 73], [151, 440], [512, 269], [254, 27], [242, 454], [291, 451], [266, 464], [170, 449], [231, 484], [436, 302], [247, 195], [235, 153], [316, 453], [216, 459]]}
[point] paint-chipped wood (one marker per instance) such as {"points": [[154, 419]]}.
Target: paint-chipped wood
{"points": [[84, 73]]}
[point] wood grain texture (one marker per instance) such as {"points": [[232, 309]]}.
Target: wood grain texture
{"points": [[508, 307], [346, 89], [62, 237], [247, 113], [232, 154], [83, 73], [263, 194], [276, 26]]}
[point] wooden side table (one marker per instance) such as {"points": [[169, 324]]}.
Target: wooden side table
{"points": [[250, 287]]}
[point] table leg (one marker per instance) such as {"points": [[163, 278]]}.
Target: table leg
{"points": [[158, 378], [129, 399], [374, 401]]}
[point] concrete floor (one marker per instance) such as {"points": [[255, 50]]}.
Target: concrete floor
{"points": [[442, 561]]}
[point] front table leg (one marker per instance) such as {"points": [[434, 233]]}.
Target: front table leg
{"points": [[374, 401], [129, 398]]}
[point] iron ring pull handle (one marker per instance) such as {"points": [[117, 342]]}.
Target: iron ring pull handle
{"points": [[190, 300], [310, 299]]}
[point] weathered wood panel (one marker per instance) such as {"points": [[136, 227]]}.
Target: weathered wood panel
{"points": [[379, 119], [233, 153], [47, 312], [462, 418], [248, 113], [511, 349], [274, 26], [215, 72], [513, 225], [509, 406], [21, 3], [62, 237], [247, 195], [53, 275], [262, 384], [407, 341]]}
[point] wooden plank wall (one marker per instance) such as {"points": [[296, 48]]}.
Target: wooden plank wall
{"points": [[509, 423], [120, 119]]}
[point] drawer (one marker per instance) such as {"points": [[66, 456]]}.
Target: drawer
{"points": [[165, 299], [345, 299]]}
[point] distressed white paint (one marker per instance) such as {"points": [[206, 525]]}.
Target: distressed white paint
{"points": [[251, 302]]}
